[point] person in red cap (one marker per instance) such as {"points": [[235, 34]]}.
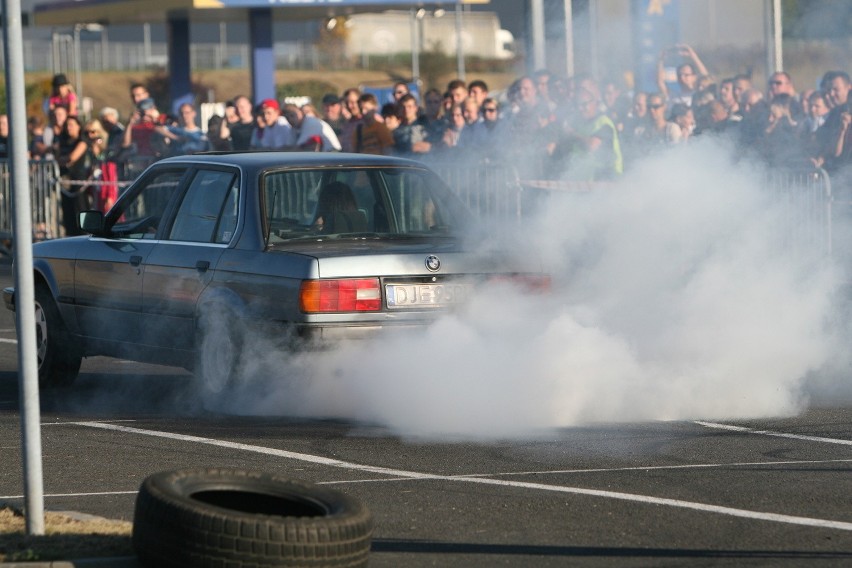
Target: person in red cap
{"points": [[276, 132]]}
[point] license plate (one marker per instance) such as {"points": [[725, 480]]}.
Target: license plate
{"points": [[425, 295]]}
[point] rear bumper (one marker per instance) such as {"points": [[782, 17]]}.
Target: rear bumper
{"points": [[337, 333]]}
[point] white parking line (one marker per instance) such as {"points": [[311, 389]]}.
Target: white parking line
{"points": [[3, 340], [97, 494], [757, 515], [653, 467], [260, 450], [77, 422], [776, 434]]}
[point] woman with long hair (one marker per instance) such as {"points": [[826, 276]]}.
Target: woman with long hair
{"points": [[72, 154], [104, 172]]}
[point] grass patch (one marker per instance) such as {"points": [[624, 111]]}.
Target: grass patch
{"points": [[66, 537]]}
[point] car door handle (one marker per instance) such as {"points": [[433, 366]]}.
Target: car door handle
{"points": [[202, 265], [135, 260]]}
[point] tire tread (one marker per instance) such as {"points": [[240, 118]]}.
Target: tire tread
{"points": [[172, 529]]}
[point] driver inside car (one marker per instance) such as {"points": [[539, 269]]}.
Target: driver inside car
{"points": [[337, 211]]}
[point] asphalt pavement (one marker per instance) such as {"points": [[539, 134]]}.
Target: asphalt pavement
{"points": [[8, 323], [762, 492]]}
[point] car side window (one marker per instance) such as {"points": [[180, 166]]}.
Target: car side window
{"points": [[208, 212], [228, 221], [139, 217]]}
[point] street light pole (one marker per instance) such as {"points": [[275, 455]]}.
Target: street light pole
{"points": [[24, 286], [146, 43], [78, 63], [537, 17], [569, 39], [775, 51], [416, 16], [104, 50], [78, 58], [223, 45], [459, 41], [54, 43]]}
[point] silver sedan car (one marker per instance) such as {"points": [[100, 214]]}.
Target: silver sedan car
{"points": [[307, 248]]}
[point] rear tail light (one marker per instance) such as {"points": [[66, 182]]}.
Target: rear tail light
{"points": [[343, 295], [536, 283]]}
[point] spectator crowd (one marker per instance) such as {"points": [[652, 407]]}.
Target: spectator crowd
{"points": [[550, 127]]}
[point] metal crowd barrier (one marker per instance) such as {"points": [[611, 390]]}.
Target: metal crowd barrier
{"points": [[815, 216], [44, 185], [807, 204], [131, 168], [489, 190]]}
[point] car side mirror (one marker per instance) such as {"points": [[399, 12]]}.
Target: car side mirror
{"points": [[92, 222]]}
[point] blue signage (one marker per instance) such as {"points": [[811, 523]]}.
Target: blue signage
{"points": [[656, 27]]}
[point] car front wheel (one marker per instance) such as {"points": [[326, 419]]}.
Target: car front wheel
{"points": [[58, 363]]}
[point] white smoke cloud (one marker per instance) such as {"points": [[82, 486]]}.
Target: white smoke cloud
{"points": [[677, 294]]}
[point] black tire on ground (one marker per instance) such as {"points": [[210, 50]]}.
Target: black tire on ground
{"points": [[229, 517], [58, 361]]}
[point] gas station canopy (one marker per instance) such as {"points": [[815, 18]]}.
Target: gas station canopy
{"points": [[116, 12], [178, 14]]}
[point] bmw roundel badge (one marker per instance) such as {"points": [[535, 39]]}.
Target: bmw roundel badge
{"points": [[433, 263]]}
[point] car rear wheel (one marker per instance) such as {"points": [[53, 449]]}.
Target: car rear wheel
{"points": [[232, 517], [219, 351], [58, 363]]}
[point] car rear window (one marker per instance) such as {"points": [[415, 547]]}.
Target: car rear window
{"points": [[357, 201]]}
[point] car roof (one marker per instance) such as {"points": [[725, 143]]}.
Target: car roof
{"points": [[260, 160]]}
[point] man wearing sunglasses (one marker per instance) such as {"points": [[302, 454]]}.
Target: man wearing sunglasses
{"points": [[483, 135], [490, 113], [780, 83], [657, 131], [400, 89]]}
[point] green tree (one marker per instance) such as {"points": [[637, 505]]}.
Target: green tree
{"points": [[159, 86], [333, 36], [434, 64], [313, 89]]}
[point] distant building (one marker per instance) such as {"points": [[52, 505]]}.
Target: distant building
{"points": [[390, 32]]}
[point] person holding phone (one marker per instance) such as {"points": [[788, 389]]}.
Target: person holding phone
{"points": [[688, 72]]}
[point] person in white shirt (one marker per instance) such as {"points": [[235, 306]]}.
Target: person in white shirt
{"points": [[310, 132]]}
